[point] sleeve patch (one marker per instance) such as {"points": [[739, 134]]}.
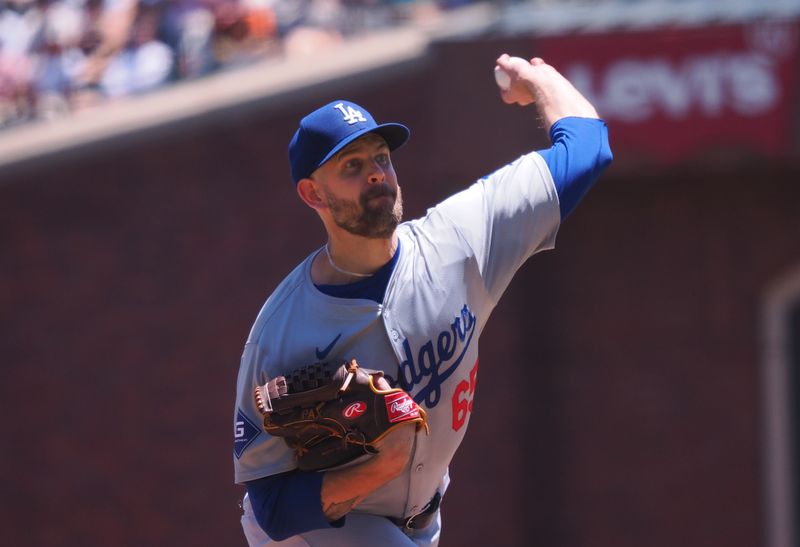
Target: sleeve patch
{"points": [[244, 433]]}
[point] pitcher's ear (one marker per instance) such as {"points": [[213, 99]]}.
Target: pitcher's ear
{"points": [[310, 194]]}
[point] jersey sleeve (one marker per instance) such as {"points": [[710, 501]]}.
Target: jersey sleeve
{"points": [[288, 504], [579, 154], [502, 219], [256, 453]]}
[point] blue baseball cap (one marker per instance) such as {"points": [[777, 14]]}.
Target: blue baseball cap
{"points": [[330, 128]]}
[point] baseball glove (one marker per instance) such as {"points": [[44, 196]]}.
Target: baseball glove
{"points": [[331, 414]]}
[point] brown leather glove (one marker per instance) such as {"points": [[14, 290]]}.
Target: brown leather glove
{"points": [[331, 414]]}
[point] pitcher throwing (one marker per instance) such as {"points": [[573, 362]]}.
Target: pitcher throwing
{"points": [[408, 301]]}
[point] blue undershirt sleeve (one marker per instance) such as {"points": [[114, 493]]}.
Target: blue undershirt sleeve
{"points": [[288, 504], [579, 154]]}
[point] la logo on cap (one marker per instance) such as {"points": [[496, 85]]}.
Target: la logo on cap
{"points": [[350, 114]]}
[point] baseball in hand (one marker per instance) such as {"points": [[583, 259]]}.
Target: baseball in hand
{"points": [[501, 76]]}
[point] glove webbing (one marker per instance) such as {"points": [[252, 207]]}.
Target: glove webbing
{"points": [[303, 379]]}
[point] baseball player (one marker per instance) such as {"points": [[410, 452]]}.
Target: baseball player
{"points": [[407, 298]]}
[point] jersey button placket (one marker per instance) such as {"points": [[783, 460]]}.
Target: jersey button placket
{"points": [[392, 332]]}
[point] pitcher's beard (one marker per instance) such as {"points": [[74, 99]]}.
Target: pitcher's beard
{"points": [[365, 219]]}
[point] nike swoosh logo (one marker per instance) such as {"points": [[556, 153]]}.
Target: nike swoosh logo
{"points": [[322, 354]]}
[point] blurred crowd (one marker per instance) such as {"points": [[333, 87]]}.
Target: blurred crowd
{"points": [[59, 56]]}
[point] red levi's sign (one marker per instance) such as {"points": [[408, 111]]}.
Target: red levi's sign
{"points": [[669, 94]]}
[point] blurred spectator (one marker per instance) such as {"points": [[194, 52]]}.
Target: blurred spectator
{"points": [[20, 27], [188, 28], [145, 62], [60, 59], [318, 25], [57, 56], [112, 23], [16, 94], [367, 15], [245, 31]]}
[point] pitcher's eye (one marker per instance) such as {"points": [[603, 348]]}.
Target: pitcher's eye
{"points": [[352, 164]]}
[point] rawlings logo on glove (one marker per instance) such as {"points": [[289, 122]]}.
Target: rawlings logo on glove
{"points": [[332, 414]]}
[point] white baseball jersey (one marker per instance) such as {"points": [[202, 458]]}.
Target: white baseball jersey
{"points": [[454, 265]]}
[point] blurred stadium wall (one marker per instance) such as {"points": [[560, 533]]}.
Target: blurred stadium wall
{"points": [[637, 385]]}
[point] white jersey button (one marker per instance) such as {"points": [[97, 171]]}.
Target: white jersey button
{"points": [[395, 334], [420, 467]]}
